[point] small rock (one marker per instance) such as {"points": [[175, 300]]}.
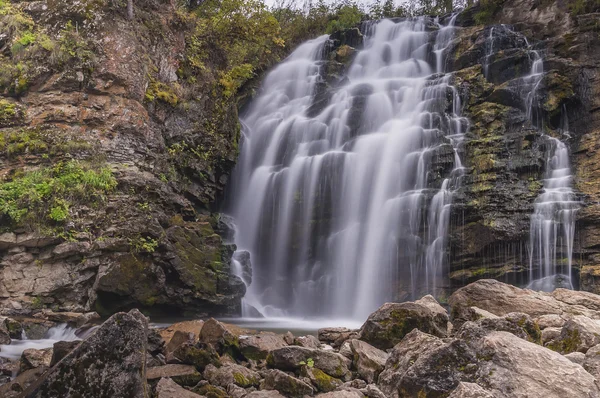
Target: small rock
{"points": [[286, 384], [550, 321], [184, 375], [264, 394], [167, 388], [32, 358], [194, 327], [307, 341], [368, 360], [257, 346], [288, 338], [236, 391], [335, 336]]}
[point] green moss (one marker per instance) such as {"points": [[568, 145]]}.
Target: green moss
{"points": [[244, 381], [323, 381], [210, 391], [487, 11], [158, 91], [568, 342]]}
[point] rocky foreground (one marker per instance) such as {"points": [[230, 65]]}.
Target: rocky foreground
{"points": [[497, 341]]}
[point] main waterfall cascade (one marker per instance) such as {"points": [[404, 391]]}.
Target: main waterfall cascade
{"points": [[343, 209]]}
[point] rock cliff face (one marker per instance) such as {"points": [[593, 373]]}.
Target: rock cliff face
{"points": [[111, 157], [504, 153]]}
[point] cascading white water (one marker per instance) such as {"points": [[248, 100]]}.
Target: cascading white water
{"points": [[342, 205], [553, 221]]}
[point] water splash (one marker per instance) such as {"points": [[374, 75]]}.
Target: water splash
{"points": [[343, 208], [61, 332]]}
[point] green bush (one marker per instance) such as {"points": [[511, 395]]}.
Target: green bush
{"points": [[48, 193], [347, 16]]}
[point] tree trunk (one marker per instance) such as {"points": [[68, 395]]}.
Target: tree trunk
{"points": [[130, 9]]}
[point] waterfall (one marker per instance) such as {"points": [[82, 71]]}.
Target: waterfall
{"points": [[552, 228], [344, 202]]}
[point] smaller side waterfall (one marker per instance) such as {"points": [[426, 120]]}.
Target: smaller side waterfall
{"points": [[553, 221]]}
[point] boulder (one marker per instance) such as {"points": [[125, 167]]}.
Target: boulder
{"points": [[185, 327], [427, 366], [336, 336], [167, 388], [321, 380], [32, 358], [367, 360], [257, 346], [73, 319], [501, 299], [519, 324], [292, 358], [392, 321], [185, 375], [60, 349], [119, 345], [469, 390], [579, 333], [199, 355], [177, 339], [224, 338], [36, 329], [231, 373], [591, 363], [309, 341], [549, 335], [550, 321], [519, 369], [402, 357], [287, 385]]}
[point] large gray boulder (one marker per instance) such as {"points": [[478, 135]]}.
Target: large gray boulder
{"points": [[513, 367], [500, 299], [111, 360], [387, 326]]}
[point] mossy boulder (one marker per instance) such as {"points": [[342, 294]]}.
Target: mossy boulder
{"points": [[199, 355], [321, 380], [231, 373], [387, 326]]}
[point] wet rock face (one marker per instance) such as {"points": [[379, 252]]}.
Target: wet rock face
{"points": [[504, 153]]}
